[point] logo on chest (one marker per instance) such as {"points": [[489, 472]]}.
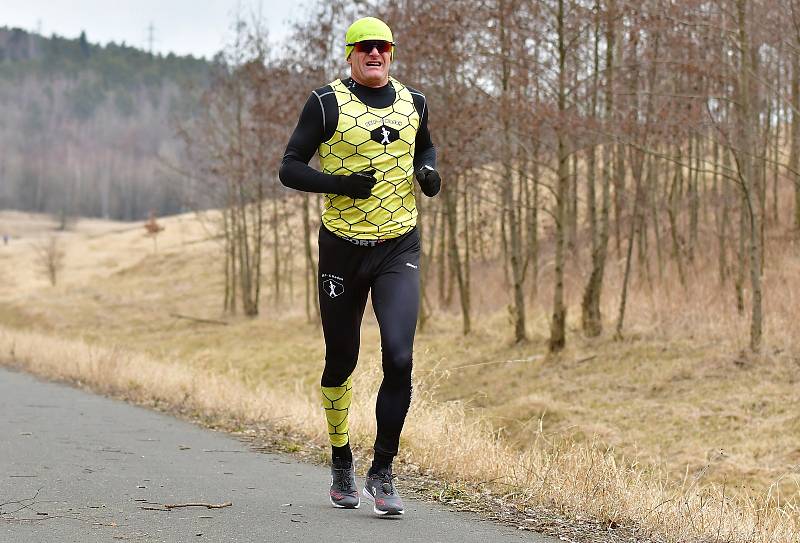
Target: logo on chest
{"points": [[384, 135]]}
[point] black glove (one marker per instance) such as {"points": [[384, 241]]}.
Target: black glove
{"points": [[429, 181], [357, 185]]}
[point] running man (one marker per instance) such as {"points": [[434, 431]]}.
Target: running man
{"points": [[371, 133]]}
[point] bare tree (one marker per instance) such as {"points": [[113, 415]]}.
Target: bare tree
{"points": [[50, 257], [153, 229], [591, 317], [231, 146]]}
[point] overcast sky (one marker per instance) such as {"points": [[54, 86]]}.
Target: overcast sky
{"points": [[183, 27]]}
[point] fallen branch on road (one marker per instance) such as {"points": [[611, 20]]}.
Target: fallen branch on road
{"points": [[206, 505], [25, 503]]}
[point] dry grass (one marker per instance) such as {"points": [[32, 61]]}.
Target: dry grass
{"points": [[677, 399], [578, 480]]}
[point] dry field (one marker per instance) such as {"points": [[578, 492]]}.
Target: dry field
{"points": [[675, 429]]}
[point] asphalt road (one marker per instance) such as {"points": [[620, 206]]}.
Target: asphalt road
{"points": [[75, 467]]}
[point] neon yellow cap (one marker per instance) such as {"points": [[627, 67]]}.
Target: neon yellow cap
{"points": [[368, 28]]}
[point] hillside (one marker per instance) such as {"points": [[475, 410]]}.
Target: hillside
{"points": [[90, 130]]}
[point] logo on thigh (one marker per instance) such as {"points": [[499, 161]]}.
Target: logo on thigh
{"points": [[332, 285]]}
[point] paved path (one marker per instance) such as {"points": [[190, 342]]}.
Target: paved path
{"points": [[96, 462]]}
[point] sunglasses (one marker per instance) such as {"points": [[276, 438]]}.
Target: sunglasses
{"points": [[369, 45]]}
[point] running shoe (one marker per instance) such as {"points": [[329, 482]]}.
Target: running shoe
{"points": [[344, 492], [379, 489]]}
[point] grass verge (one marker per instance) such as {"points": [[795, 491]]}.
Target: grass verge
{"points": [[577, 480]]}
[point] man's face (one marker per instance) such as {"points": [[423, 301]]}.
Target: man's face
{"points": [[370, 68]]}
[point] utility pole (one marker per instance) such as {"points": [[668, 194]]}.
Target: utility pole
{"points": [[150, 37]]}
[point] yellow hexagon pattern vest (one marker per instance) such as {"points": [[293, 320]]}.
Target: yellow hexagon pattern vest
{"points": [[372, 138]]}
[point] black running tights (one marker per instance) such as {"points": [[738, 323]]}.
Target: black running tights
{"points": [[390, 271]]}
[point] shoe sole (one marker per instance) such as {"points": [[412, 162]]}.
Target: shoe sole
{"points": [[375, 509], [356, 506]]}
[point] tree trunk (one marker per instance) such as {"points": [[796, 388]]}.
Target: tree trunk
{"points": [[229, 304], [636, 169], [672, 212], [443, 257], [694, 199], [512, 210], [592, 322], [312, 292], [741, 274], [276, 257], [557, 339], [655, 209], [746, 123], [533, 224], [455, 262], [572, 207], [776, 144], [794, 150]]}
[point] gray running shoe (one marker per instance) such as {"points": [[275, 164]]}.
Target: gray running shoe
{"points": [[380, 490], [344, 492]]}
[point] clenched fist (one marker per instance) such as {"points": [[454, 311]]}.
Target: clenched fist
{"points": [[357, 185], [429, 181]]}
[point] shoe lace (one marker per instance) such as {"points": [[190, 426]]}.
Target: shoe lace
{"points": [[342, 480], [386, 478]]}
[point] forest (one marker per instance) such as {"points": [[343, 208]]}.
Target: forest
{"points": [[89, 130], [655, 141], [570, 134]]}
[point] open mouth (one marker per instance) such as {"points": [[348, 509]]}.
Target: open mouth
{"points": [[374, 64]]}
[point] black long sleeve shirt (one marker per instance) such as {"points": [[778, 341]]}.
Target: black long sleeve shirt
{"points": [[317, 124]]}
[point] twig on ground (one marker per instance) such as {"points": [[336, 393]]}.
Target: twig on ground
{"points": [[587, 359], [528, 359], [206, 505], [25, 503], [196, 319]]}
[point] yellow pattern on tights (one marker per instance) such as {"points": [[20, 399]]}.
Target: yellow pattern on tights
{"points": [[336, 402], [372, 138]]}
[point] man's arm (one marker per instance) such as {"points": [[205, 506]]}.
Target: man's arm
{"points": [[424, 151], [295, 172], [311, 130]]}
